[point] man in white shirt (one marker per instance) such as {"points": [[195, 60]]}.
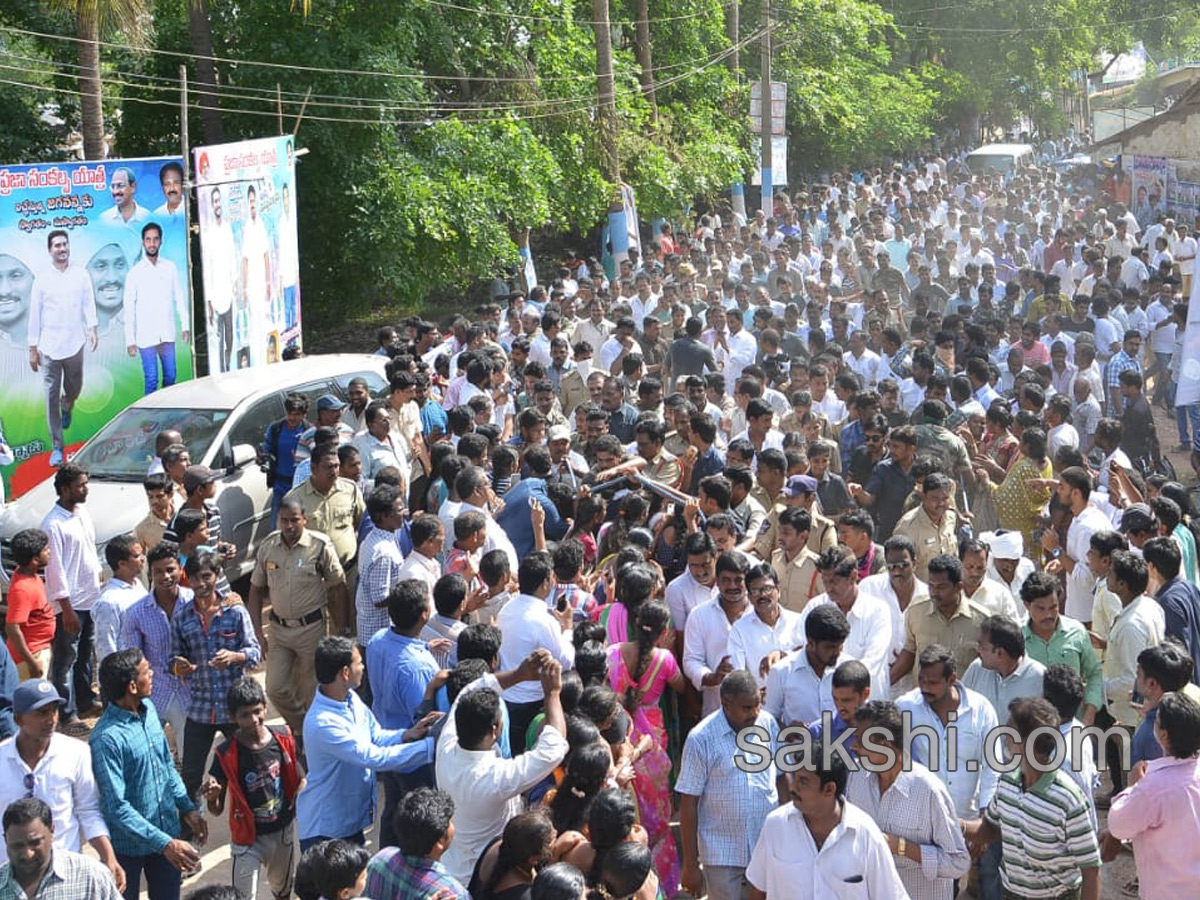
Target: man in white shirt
{"points": [[487, 788], [72, 586], [938, 695], [127, 559], [871, 629], [800, 686], [62, 316], [220, 279], [57, 769], [1003, 670], [898, 587], [698, 583], [528, 625], [706, 660], [125, 209], [757, 640], [154, 300], [821, 845], [863, 362], [741, 347], [257, 276], [170, 179], [1074, 489]]}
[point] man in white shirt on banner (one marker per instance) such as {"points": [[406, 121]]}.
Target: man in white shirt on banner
{"points": [[154, 302], [220, 278], [62, 317], [257, 276]]}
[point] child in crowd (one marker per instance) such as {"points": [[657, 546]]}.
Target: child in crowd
{"points": [[257, 769]]}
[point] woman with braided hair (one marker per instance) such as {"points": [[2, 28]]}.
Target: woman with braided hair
{"points": [[587, 773], [639, 671]]}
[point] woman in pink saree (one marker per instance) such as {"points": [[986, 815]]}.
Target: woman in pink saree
{"points": [[640, 670]]}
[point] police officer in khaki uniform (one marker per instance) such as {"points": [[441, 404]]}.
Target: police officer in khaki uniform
{"points": [[333, 506], [297, 571]]}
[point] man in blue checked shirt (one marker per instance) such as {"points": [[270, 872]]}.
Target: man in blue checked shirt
{"points": [[211, 646], [142, 797], [345, 747]]}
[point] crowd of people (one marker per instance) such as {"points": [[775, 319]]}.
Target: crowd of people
{"points": [[885, 457]]}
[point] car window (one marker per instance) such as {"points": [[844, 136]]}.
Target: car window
{"points": [[251, 426], [313, 390], [122, 449], [376, 384]]}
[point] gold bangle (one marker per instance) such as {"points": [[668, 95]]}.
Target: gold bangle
{"points": [[901, 847]]}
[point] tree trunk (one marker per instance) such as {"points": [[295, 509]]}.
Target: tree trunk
{"points": [[91, 101], [607, 118], [200, 30], [641, 46]]}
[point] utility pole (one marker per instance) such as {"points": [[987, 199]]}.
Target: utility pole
{"points": [[610, 165], [185, 148], [768, 191]]}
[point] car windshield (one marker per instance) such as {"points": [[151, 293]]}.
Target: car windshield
{"points": [[979, 162], [123, 449]]}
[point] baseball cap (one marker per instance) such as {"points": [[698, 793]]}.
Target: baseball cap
{"points": [[194, 476], [558, 433], [34, 694], [329, 401], [800, 484]]}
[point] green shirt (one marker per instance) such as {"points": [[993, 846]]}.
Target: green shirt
{"points": [[1046, 834], [1071, 646]]}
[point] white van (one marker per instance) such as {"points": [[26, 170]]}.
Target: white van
{"points": [[1002, 158]]}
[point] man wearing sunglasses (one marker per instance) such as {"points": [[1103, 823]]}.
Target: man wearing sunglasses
{"points": [[56, 769]]}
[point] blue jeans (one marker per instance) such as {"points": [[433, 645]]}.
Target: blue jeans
{"points": [[71, 670], [1185, 417], [150, 357], [162, 878]]}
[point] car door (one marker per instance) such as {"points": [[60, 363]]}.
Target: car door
{"points": [[243, 497]]}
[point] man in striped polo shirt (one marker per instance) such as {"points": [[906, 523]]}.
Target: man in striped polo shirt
{"points": [[1050, 850]]}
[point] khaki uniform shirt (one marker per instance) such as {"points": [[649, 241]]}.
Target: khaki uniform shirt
{"points": [[297, 577], [931, 540], [664, 469], [335, 514], [799, 580], [823, 534], [572, 390], [924, 625]]}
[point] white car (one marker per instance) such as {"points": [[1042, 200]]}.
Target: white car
{"points": [[223, 420]]}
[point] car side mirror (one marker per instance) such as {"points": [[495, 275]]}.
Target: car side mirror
{"points": [[243, 455]]}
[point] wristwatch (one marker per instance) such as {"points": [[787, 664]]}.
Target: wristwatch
{"points": [[901, 847]]}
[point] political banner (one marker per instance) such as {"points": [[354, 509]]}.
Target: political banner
{"points": [[246, 206], [1148, 184], [94, 305]]}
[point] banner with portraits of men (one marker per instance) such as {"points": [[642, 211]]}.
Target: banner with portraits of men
{"points": [[94, 303], [246, 207]]}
